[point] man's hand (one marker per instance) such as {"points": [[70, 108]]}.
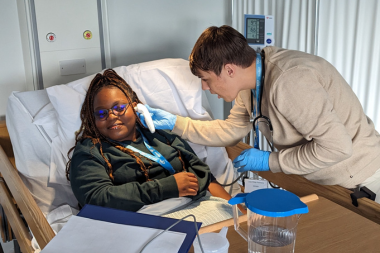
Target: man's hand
{"points": [[161, 119], [187, 184], [252, 159]]}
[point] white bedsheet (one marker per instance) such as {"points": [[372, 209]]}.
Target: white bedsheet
{"points": [[31, 148]]}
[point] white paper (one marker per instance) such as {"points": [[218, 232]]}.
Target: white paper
{"points": [[254, 184], [93, 236]]}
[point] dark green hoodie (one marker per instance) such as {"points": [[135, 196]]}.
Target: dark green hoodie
{"points": [[129, 190]]}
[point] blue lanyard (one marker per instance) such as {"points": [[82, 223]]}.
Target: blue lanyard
{"points": [[157, 157], [256, 94]]}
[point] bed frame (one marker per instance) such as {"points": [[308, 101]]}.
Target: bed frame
{"points": [[16, 199]]}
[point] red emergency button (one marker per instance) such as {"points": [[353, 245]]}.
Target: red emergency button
{"points": [[87, 35], [50, 37]]}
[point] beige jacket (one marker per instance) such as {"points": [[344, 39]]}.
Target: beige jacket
{"points": [[319, 126]]}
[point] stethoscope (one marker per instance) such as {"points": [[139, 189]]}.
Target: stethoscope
{"points": [[255, 120], [258, 94]]}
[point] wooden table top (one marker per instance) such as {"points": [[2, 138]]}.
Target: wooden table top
{"points": [[328, 227]]}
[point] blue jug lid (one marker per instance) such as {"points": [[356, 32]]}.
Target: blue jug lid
{"points": [[275, 203]]}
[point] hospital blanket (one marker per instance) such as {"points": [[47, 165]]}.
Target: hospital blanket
{"points": [[208, 210]]}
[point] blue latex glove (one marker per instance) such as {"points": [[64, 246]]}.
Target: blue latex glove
{"points": [[252, 159], [161, 119]]}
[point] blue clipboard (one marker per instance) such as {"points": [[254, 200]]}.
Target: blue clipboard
{"points": [[143, 220]]}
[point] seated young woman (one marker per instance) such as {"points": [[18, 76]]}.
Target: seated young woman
{"points": [[116, 159]]}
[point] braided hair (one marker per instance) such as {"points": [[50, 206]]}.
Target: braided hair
{"points": [[88, 129]]}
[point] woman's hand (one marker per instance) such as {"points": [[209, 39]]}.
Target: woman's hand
{"points": [[187, 184]]}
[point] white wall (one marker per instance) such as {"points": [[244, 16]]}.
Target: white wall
{"points": [[148, 30], [12, 72]]}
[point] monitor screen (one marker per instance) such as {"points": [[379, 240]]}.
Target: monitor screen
{"points": [[255, 30]]}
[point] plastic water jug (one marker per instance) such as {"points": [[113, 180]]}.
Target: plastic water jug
{"points": [[272, 219]]}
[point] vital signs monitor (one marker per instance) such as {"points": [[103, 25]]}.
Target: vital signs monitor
{"points": [[259, 31]]}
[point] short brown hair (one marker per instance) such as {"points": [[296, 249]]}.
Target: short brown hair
{"points": [[218, 46]]}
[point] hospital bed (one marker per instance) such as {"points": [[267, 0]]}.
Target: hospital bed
{"points": [[41, 126]]}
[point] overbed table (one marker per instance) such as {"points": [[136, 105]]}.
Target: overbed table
{"points": [[328, 227]]}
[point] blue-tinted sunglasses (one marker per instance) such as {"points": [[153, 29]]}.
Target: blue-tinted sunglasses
{"points": [[117, 110]]}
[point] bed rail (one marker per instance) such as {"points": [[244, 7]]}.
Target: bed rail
{"points": [[13, 188]]}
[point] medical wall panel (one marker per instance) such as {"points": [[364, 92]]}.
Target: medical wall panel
{"points": [[69, 39], [349, 38], [294, 20], [147, 30]]}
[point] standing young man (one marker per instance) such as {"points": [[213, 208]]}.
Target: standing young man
{"points": [[319, 126]]}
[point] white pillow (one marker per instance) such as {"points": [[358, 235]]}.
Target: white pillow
{"points": [[47, 117], [67, 102]]}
